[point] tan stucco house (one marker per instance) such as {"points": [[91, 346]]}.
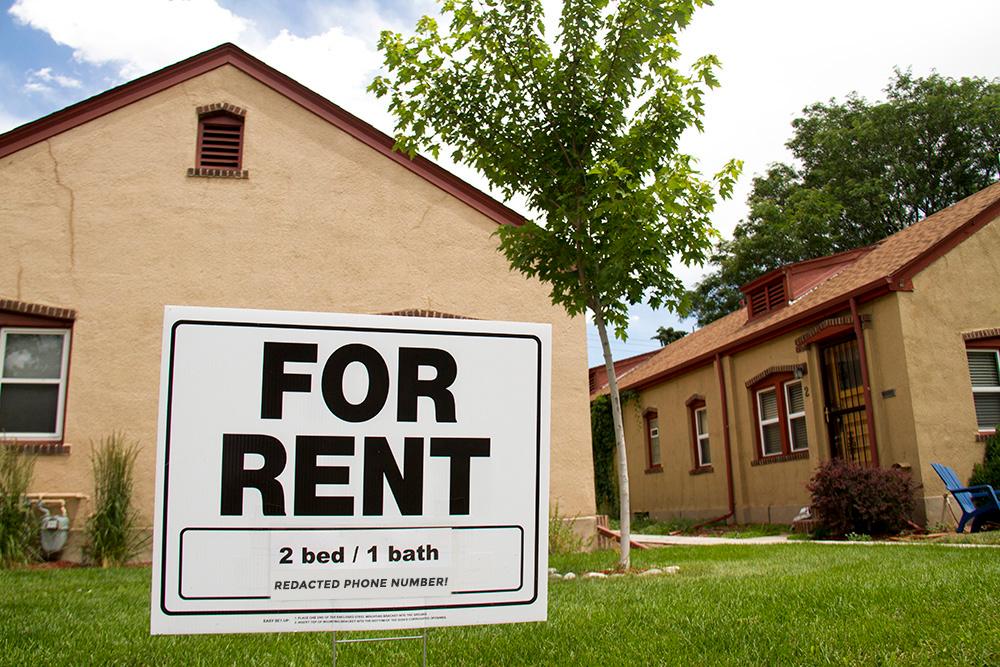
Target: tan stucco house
{"points": [[887, 355], [220, 181]]}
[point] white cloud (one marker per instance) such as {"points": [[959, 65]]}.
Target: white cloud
{"points": [[335, 64], [43, 81], [138, 37]]}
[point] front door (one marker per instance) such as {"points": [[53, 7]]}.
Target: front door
{"points": [[845, 402]]}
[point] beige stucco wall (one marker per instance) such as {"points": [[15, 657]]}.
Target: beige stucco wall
{"points": [[103, 219], [921, 399], [773, 492], [672, 491], [956, 293]]}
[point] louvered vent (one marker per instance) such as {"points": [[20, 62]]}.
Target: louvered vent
{"points": [[220, 142], [758, 301], [776, 295], [767, 297]]}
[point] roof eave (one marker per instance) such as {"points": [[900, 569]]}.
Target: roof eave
{"points": [[229, 54], [863, 294]]}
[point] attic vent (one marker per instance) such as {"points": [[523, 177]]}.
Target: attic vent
{"points": [[220, 141], [767, 297]]}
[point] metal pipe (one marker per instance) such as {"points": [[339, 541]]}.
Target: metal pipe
{"points": [[727, 448], [866, 383]]}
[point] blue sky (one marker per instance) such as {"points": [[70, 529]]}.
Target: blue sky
{"points": [[778, 56]]}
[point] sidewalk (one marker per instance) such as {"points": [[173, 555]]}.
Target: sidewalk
{"points": [[695, 540]]}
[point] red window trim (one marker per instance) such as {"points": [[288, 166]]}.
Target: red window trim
{"points": [[648, 416], [983, 343], [777, 382], [694, 404]]}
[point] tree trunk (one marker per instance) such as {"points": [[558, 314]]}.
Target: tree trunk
{"points": [[625, 510]]}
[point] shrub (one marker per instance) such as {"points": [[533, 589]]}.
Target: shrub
{"points": [[113, 534], [988, 472], [602, 440], [849, 498], [18, 529], [562, 538]]}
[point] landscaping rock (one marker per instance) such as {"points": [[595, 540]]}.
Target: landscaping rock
{"points": [[568, 576], [595, 575], [672, 569], [555, 575], [650, 572]]}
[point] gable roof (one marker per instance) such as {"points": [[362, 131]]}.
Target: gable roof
{"points": [[230, 54], [599, 374], [887, 266]]}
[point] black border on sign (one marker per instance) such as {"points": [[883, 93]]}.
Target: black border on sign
{"points": [[180, 558], [312, 327]]}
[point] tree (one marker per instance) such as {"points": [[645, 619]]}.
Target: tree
{"points": [[586, 130], [864, 171], [667, 335]]}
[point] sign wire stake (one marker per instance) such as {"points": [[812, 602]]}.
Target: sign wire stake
{"points": [[422, 636]]}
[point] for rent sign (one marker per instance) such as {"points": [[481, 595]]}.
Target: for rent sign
{"points": [[321, 471]]}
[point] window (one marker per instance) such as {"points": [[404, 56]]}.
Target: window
{"points": [[984, 371], [796, 402], [33, 382], [653, 439], [770, 427], [702, 451], [781, 416], [220, 141]]}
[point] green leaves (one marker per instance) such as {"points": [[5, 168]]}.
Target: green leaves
{"points": [[867, 171], [586, 132]]}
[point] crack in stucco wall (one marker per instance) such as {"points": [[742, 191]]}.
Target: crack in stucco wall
{"points": [[423, 218], [20, 275], [70, 220]]}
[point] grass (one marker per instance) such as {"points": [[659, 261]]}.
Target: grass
{"points": [[113, 535], [730, 605], [18, 528], [986, 537], [646, 526]]}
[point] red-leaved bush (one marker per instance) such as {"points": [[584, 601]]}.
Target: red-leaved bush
{"points": [[848, 498]]}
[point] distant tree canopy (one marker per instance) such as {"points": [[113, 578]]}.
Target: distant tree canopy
{"points": [[863, 171], [667, 335]]}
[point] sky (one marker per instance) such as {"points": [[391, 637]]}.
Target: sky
{"points": [[778, 56]]}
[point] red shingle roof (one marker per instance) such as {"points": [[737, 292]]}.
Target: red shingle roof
{"points": [[888, 265]]}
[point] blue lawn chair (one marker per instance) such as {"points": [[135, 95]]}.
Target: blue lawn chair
{"points": [[976, 502]]}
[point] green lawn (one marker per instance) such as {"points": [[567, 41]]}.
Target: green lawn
{"points": [[783, 604]]}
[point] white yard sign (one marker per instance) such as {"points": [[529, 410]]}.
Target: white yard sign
{"points": [[346, 472]]}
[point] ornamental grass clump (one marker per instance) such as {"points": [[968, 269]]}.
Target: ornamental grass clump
{"points": [[18, 529], [562, 538], [113, 532], [861, 500]]}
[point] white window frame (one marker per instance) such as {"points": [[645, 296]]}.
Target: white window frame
{"points": [[789, 415], [699, 437], [760, 419], [984, 390], [61, 381]]}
